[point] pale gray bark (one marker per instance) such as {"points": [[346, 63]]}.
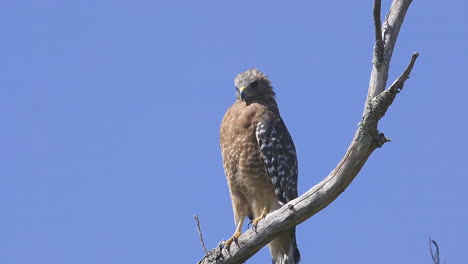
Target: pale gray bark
{"points": [[386, 38], [366, 139]]}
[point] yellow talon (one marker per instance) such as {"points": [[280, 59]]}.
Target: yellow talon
{"points": [[262, 216], [237, 234], [234, 237]]}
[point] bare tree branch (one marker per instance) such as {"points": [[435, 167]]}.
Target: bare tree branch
{"points": [[379, 46], [366, 139], [200, 234], [391, 28], [398, 84]]}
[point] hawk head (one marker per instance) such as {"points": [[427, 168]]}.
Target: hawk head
{"points": [[253, 85]]}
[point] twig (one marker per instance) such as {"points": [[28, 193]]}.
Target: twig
{"points": [[397, 85], [435, 255], [200, 234], [380, 103]]}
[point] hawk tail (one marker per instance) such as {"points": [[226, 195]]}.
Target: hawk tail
{"points": [[284, 249]]}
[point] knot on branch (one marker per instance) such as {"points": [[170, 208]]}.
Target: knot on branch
{"points": [[381, 140], [369, 134]]}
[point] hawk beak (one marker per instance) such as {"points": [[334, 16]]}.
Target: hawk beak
{"points": [[242, 93]]}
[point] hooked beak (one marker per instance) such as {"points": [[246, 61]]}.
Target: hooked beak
{"points": [[242, 93]]}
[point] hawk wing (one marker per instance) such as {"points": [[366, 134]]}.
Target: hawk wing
{"points": [[279, 155]]}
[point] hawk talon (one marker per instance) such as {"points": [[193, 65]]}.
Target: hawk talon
{"points": [[253, 224], [227, 243], [256, 220]]}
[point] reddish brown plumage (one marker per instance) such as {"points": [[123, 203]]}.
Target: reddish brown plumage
{"points": [[259, 159]]}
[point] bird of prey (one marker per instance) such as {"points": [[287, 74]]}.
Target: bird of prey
{"points": [[259, 159]]}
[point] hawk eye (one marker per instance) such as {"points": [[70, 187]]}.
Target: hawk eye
{"points": [[254, 84], [237, 89]]}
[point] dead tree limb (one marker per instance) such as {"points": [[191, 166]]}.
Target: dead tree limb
{"points": [[366, 139], [386, 38], [200, 234]]}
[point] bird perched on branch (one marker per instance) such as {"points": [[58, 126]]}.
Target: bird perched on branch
{"points": [[259, 160]]}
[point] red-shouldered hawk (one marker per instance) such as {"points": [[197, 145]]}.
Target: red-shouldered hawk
{"points": [[259, 159]]}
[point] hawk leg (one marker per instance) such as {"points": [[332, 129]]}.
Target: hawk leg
{"points": [[236, 234], [265, 211]]}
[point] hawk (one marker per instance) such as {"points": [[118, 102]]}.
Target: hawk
{"points": [[259, 159]]}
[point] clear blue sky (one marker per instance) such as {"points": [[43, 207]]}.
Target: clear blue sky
{"points": [[110, 114]]}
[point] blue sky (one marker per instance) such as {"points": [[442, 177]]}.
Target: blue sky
{"points": [[110, 114]]}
